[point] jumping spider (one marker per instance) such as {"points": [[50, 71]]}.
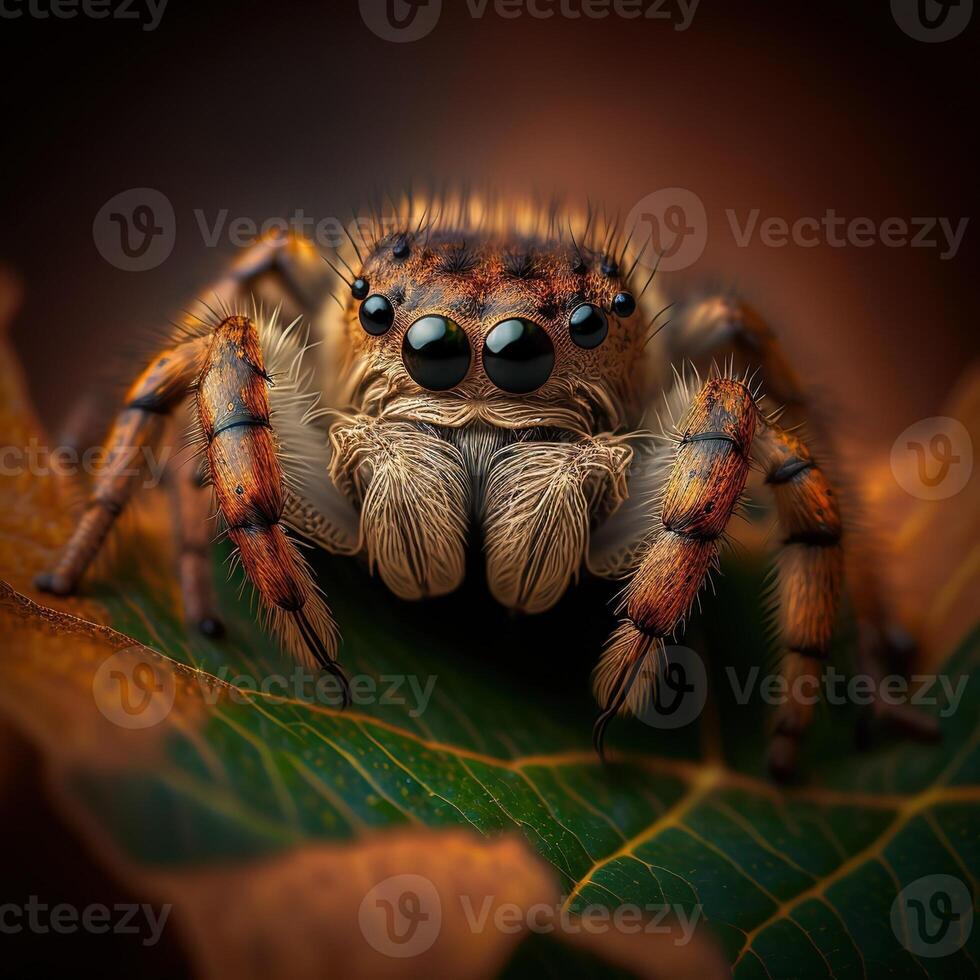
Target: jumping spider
{"points": [[489, 366]]}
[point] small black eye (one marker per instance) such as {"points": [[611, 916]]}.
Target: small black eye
{"points": [[518, 356], [436, 352], [402, 249], [359, 288], [376, 315], [623, 304], [588, 326]]}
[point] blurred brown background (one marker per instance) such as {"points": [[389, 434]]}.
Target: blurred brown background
{"points": [[268, 107], [265, 108]]}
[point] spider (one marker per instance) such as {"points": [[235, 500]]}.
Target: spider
{"points": [[490, 370]]}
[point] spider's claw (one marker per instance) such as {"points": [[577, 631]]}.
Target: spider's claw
{"points": [[599, 732], [345, 695], [335, 670], [322, 656]]}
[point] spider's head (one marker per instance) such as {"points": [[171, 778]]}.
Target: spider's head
{"points": [[460, 325]]}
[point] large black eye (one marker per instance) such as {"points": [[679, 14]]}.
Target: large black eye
{"points": [[376, 315], [588, 326], [436, 352], [518, 356]]}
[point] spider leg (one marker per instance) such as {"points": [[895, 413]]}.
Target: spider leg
{"points": [[809, 574], [243, 458], [249, 486], [722, 328], [191, 505], [135, 431], [280, 269], [706, 479]]}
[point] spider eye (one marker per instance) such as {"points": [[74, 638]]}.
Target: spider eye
{"points": [[518, 356], [623, 304], [436, 352], [588, 326], [359, 288], [376, 315]]}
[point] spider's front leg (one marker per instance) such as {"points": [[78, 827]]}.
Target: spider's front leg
{"points": [[249, 485], [706, 479], [725, 329], [243, 457]]}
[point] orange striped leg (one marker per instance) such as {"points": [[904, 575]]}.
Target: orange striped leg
{"points": [[705, 483], [153, 395], [810, 572], [241, 449], [719, 328]]}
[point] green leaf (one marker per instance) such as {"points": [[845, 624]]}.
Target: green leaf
{"points": [[796, 882]]}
